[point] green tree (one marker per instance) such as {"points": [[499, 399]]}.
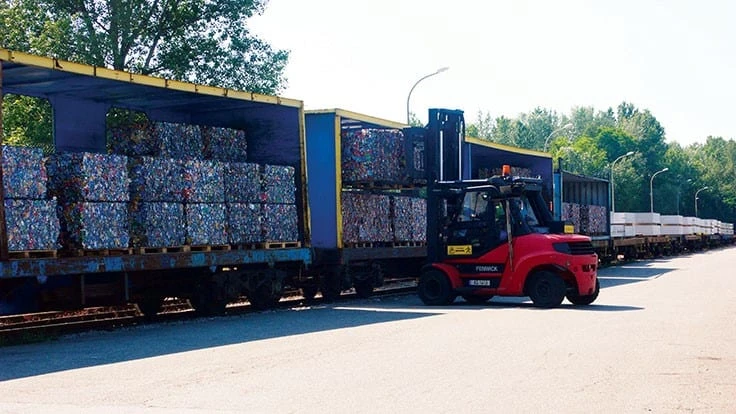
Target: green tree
{"points": [[201, 41], [482, 127], [27, 122]]}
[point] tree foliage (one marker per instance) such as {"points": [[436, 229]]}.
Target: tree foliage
{"points": [[202, 41], [597, 138]]}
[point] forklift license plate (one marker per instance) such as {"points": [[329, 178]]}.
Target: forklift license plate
{"points": [[479, 282]]}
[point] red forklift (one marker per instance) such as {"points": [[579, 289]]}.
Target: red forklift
{"points": [[495, 236]]}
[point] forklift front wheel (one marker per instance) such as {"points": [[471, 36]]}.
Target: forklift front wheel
{"points": [[435, 289], [546, 289]]}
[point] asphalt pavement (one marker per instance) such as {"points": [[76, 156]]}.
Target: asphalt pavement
{"points": [[661, 338]]}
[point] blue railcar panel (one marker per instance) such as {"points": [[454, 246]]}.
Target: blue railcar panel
{"points": [[161, 261], [321, 153], [79, 125]]}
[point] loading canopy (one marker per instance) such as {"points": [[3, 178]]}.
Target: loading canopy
{"points": [[81, 95], [480, 154]]}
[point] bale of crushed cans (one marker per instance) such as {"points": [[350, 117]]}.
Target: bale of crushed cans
{"points": [[372, 155], [224, 144], [204, 181], [409, 219], [31, 224], [180, 141], [278, 184], [280, 222], [133, 140], [157, 224], [156, 179], [88, 225], [243, 183], [366, 217], [83, 176], [24, 173], [205, 223], [245, 223]]}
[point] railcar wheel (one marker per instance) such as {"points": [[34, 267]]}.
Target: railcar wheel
{"points": [[264, 297], [331, 284], [209, 299], [582, 300], [476, 299], [546, 289], [435, 289], [150, 305], [309, 292], [363, 288]]}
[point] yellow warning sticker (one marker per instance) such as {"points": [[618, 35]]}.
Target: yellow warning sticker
{"points": [[464, 249]]}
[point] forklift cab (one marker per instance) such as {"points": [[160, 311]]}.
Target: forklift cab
{"points": [[479, 219]]}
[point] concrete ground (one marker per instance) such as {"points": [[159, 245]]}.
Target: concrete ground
{"points": [[661, 338]]}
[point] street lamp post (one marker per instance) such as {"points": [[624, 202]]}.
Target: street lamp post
{"points": [[696, 200], [610, 173], [651, 194], [546, 140], [437, 72]]}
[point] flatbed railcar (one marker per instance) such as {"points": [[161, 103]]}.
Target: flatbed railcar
{"points": [[210, 276], [631, 235]]}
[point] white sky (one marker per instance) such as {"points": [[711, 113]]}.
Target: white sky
{"points": [[676, 58]]}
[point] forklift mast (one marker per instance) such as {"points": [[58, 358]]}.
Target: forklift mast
{"points": [[434, 154]]}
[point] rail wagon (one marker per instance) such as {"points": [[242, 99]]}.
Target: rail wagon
{"points": [[220, 172]]}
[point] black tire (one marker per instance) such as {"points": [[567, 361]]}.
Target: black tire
{"points": [[476, 299], [546, 289], [582, 300], [435, 289], [363, 288]]}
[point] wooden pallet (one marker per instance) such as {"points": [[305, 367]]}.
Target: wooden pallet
{"points": [[281, 245], [32, 254], [409, 244], [210, 247], [380, 185], [157, 250], [363, 245], [100, 252]]}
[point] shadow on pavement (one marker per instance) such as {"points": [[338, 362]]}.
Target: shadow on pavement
{"points": [[634, 272], [101, 348]]}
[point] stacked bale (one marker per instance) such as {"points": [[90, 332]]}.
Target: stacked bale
{"points": [[92, 191], [224, 144], [587, 219], [409, 218], [280, 218], [366, 217], [243, 203], [157, 202], [31, 220], [204, 195], [372, 155], [192, 184]]}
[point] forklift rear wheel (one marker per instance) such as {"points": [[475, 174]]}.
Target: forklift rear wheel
{"points": [[577, 299], [546, 289], [434, 289], [476, 299]]}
